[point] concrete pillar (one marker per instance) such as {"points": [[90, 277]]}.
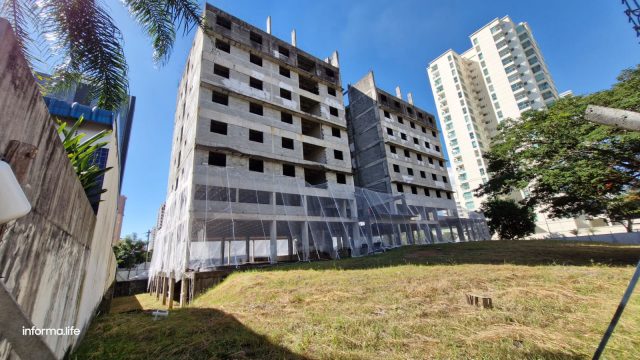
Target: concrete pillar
{"points": [[410, 238], [439, 233], [172, 284], [158, 286], [290, 247], [369, 235], [222, 252], [460, 231], [229, 251], [398, 234], [164, 290], [304, 235], [247, 248], [273, 232], [183, 291]]}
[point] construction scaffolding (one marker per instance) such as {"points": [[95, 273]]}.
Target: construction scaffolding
{"points": [[216, 224]]}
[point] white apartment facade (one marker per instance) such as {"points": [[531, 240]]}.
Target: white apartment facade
{"points": [[502, 75]]}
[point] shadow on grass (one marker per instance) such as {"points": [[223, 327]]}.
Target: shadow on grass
{"points": [[190, 333], [525, 252]]}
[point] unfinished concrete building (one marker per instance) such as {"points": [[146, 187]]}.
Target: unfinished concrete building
{"points": [[396, 150], [260, 167]]}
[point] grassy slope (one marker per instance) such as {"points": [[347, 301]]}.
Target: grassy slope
{"points": [[405, 304]]}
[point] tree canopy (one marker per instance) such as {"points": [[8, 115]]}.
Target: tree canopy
{"points": [[509, 219], [129, 251], [568, 165]]}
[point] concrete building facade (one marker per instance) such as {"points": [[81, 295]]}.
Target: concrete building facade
{"points": [[396, 150], [502, 75], [260, 166]]}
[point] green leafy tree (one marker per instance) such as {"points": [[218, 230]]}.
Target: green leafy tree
{"points": [[81, 154], [88, 44], [129, 251], [571, 166], [509, 219]]}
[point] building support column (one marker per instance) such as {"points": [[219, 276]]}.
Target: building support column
{"points": [[273, 232], [304, 236], [247, 248], [183, 290], [290, 246], [164, 290], [172, 284], [222, 252]]}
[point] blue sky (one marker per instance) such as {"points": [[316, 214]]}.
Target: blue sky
{"points": [[585, 43]]}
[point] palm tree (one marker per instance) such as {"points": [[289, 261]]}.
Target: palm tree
{"points": [[88, 43]]}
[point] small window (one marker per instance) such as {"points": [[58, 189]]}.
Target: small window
{"points": [[220, 98], [255, 83], [383, 98], [286, 118], [424, 129], [341, 179], [331, 91], [434, 177], [416, 141], [287, 143], [224, 46], [285, 72], [407, 154], [283, 50], [412, 124], [399, 188], [410, 111], [396, 168], [441, 163], [427, 145], [255, 59], [437, 148], [255, 109], [333, 111], [431, 161], [414, 190], [329, 72], [426, 192], [423, 174], [390, 131], [285, 94], [403, 136], [217, 159], [218, 127], [410, 171], [288, 170], [256, 136], [433, 133], [387, 115], [256, 165], [444, 179], [337, 154], [400, 120], [255, 37], [224, 22], [335, 132], [419, 157], [221, 70], [392, 149], [449, 195], [438, 194]]}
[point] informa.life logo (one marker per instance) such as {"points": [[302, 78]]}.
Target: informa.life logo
{"points": [[66, 331]]}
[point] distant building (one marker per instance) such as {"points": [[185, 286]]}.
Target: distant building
{"points": [[396, 149], [502, 75]]}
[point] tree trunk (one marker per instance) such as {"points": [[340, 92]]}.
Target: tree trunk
{"points": [[629, 225]]}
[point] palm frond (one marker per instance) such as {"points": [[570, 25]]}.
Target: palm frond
{"points": [[22, 15], [91, 44], [161, 18]]}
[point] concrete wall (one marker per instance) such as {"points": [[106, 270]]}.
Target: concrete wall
{"points": [[50, 261]]}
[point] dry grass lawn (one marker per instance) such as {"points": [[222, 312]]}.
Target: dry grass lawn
{"points": [[405, 304]]}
